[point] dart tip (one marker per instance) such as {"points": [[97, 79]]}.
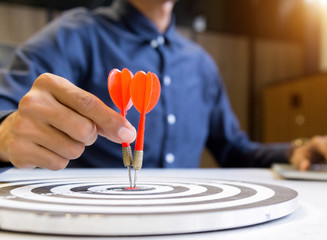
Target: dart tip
{"points": [[130, 177], [135, 178]]}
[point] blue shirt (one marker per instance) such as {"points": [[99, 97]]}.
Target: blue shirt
{"points": [[193, 110]]}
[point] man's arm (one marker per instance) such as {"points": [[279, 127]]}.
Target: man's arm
{"points": [[54, 122]]}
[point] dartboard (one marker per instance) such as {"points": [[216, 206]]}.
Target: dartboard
{"points": [[107, 207]]}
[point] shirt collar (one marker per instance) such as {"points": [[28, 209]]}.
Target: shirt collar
{"points": [[132, 19]]}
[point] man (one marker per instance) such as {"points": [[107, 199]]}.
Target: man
{"points": [[47, 119]]}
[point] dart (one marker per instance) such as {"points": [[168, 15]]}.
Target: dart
{"points": [[145, 93], [119, 83]]}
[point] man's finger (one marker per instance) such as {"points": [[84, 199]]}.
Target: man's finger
{"points": [[26, 154], [304, 164], [110, 124], [297, 158], [318, 145]]}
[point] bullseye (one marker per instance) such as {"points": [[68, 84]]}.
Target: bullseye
{"points": [[131, 189]]}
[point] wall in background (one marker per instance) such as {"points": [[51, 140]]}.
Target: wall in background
{"points": [[231, 53], [323, 41], [295, 109], [19, 22], [274, 61]]}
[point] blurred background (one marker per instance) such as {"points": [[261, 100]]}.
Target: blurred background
{"points": [[272, 55]]}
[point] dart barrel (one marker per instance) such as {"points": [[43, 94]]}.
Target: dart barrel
{"points": [[138, 160], [127, 156]]}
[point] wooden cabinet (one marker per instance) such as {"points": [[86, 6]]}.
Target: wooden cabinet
{"points": [[296, 108]]}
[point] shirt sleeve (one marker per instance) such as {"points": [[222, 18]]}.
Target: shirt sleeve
{"points": [[55, 49], [230, 145]]}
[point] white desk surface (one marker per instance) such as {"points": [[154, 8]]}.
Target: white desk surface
{"points": [[309, 221]]}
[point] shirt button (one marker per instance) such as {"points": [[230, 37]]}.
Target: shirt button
{"points": [[160, 40], [154, 43], [171, 119], [170, 158], [167, 80]]}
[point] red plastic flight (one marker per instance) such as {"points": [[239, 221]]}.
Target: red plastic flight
{"points": [[119, 83], [145, 93]]}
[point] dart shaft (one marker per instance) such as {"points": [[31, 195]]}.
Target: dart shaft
{"points": [[140, 134]]}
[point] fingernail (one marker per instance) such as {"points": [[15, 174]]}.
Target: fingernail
{"points": [[127, 135]]}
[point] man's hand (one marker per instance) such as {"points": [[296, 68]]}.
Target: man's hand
{"points": [[54, 122], [313, 151]]}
